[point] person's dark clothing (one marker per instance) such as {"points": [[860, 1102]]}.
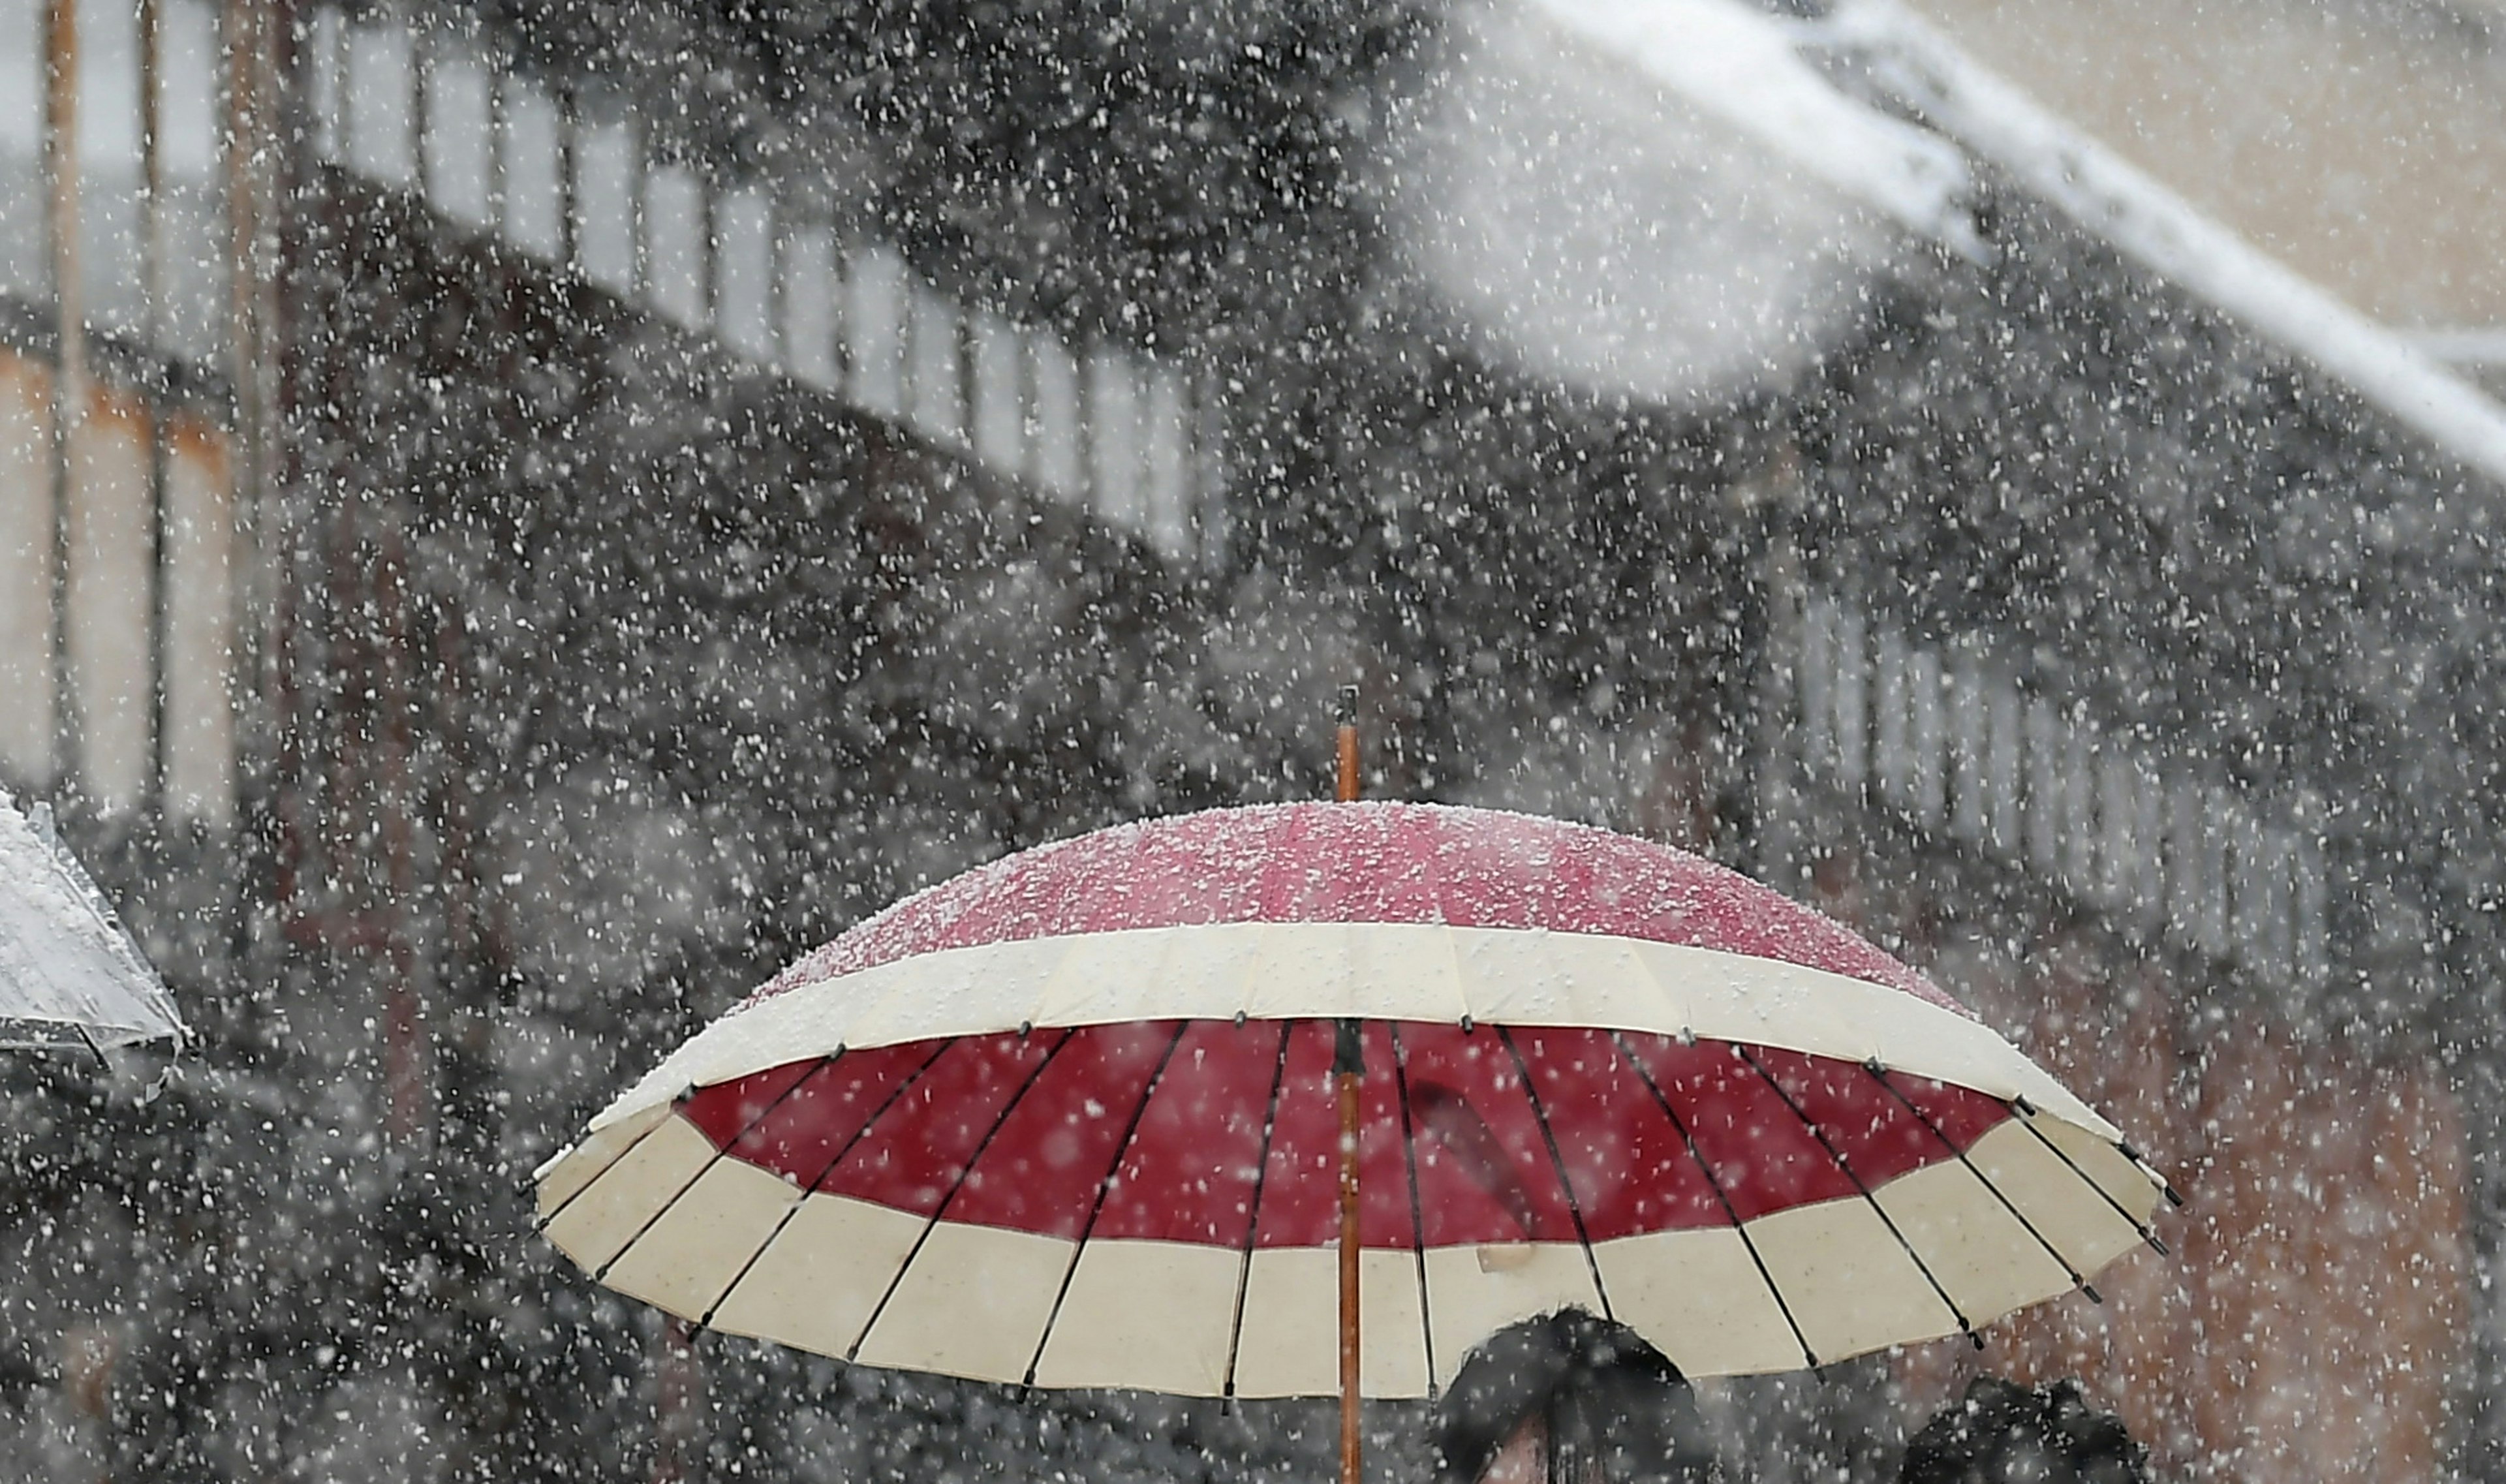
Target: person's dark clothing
{"points": [[2003, 1433], [1610, 1406]]}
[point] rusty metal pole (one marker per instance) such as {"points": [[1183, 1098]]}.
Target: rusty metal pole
{"points": [[1349, 1070]]}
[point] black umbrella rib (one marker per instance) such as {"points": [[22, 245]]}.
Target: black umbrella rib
{"points": [[1722, 1197], [896, 1280], [706, 1169], [1867, 1199], [2025, 1112], [824, 1174], [1418, 1208], [1253, 1209], [1558, 1163], [2167, 1187], [1097, 1207], [2079, 1281]]}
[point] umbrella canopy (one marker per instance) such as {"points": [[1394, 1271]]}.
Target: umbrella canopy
{"points": [[1068, 1120], [69, 975]]}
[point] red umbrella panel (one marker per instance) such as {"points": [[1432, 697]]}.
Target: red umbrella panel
{"points": [[1069, 1120]]}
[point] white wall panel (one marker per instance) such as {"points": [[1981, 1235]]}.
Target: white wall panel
{"points": [[199, 565], [812, 297], [608, 166], [1892, 765], [1851, 722], [1815, 684], [112, 207], [460, 135], [1000, 394], [744, 273], [381, 102], [877, 284], [26, 571], [1926, 740], [1209, 475], [2005, 711], [110, 604], [1167, 427], [24, 269], [2047, 790], [676, 230], [1115, 465], [936, 370], [326, 40], [532, 153], [1968, 757], [191, 225], [2213, 928], [1056, 451], [2081, 749]]}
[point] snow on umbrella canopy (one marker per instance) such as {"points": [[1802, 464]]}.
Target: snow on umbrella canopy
{"points": [[1068, 1120]]}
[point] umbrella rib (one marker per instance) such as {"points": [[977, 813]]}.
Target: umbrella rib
{"points": [[1723, 1197], [2174, 1197], [896, 1280], [838, 1158], [1253, 1210], [1557, 1162], [1122, 1147], [2025, 1112], [1418, 1209], [706, 1169], [1867, 1199], [1879, 1074]]}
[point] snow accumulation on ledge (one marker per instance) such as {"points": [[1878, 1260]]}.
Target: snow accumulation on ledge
{"points": [[1747, 68], [1775, 77]]}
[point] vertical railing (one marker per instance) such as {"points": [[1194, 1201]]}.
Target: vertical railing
{"points": [[2151, 835], [137, 316], [117, 521], [571, 176]]}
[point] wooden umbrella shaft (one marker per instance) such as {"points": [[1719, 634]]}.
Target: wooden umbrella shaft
{"points": [[1349, 1069], [1350, 1406]]}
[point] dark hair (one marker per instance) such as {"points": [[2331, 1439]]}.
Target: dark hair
{"points": [[2004, 1433], [1608, 1402]]}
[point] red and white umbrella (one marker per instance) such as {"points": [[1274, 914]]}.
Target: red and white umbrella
{"points": [[1069, 1120]]}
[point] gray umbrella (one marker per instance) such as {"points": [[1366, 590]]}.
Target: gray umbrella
{"points": [[69, 974]]}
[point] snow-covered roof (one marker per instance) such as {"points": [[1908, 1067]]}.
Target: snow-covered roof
{"points": [[1792, 82], [69, 975], [1748, 69]]}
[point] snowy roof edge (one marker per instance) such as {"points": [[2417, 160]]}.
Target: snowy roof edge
{"points": [[2167, 233], [1748, 69]]}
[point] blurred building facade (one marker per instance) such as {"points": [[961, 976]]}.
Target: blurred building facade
{"points": [[515, 524]]}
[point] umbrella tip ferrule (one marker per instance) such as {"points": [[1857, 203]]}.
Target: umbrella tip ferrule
{"points": [[2157, 1244], [1469, 1025], [2174, 1197], [2091, 1290], [1344, 705]]}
